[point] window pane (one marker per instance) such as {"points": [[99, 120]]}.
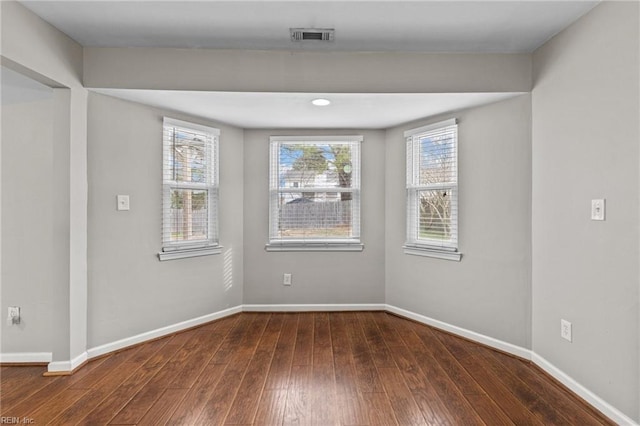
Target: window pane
{"points": [[189, 215], [435, 215], [314, 190], [315, 165], [437, 162], [188, 157], [432, 186], [314, 215], [189, 190]]}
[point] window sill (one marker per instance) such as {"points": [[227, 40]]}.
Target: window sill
{"points": [[184, 253], [433, 252], [294, 246]]}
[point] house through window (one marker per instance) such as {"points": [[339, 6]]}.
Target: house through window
{"points": [[314, 193]]}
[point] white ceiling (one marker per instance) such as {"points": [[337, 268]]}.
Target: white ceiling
{"points": [[432, 26], [426, 26], [294, 110]]}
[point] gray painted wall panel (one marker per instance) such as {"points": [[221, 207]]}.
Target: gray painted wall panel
{"points": [[289, 71], [326, 277], [34, 48], [586, 146], [29, 233], [130, 290], [489, 290]]}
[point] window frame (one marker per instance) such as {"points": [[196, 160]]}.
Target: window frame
{"points": [[415, 245], [276, 243], [210, 245]]}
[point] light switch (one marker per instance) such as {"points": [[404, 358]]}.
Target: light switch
{"points": [[123, 202], [597, 209]]}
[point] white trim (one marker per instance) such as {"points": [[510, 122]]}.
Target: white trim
{"points": [[160, 332], [596, 402], [172, 122], [444, 253], [25, 357], [301, 139], [593, 399], [181, 254], [299, 246], [415, 188], [276, 242], [315, 189], [67, 366], [211, 185], [472, 335], [429, 127], [315, 307]]}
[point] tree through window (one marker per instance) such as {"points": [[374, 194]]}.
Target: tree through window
{"points": [[432, 186], [315, 190], [190, 186]]}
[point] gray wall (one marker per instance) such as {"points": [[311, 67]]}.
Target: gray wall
{"points": [[34, 48], [324, 277], [585, 146], [489, 290], [130, 290], [29, 231], [305, 71]]}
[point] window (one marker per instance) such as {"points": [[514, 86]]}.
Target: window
{"points": [[189, 190], [314, 199], [432, 191]]}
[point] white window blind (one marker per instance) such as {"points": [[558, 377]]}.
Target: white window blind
{"points": [[190, 189], [314, 192], [432, 186]]}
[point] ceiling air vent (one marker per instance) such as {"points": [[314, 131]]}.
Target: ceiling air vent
{"points": [[317, 34]]}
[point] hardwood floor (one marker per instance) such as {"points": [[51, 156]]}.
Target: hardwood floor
{"points": [[343, 368]]}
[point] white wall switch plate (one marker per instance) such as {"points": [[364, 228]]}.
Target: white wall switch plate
{"points": [[13, 315], [122, 202], [597, 209], [565, 330]]}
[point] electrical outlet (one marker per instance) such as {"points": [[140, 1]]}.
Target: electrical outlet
{"points": [[122, 202], [565, 330], [13, 316], [286, 280]]}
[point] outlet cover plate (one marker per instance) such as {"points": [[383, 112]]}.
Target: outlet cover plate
{"points": [[286, 280], [122, 202], [565, 330]]}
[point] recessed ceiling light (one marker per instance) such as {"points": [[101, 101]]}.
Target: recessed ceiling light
{"points": [[321, 102]]}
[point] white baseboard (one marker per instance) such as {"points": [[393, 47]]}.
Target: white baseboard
{"points": [[26, 357], [160, 332], [67, 366], [64, 366], [463, 332], [315, 307], [598, 403], [593, 399]]}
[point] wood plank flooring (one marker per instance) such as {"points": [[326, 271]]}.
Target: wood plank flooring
{"points": [[346, 368]]}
